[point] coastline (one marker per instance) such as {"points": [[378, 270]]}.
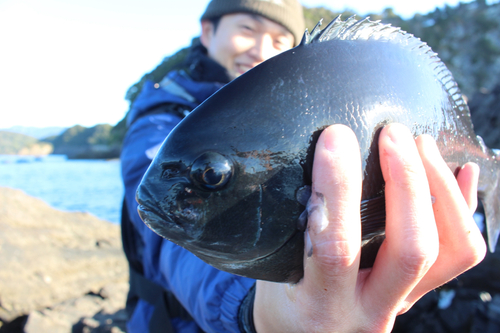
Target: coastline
{"points": [[61, 271]]}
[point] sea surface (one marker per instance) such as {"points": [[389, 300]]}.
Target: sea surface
{"points": [[92, 186]]}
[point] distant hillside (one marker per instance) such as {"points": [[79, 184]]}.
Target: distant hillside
{"points": [[86, 142], [20, 144], [36, 132], [467, 39]]}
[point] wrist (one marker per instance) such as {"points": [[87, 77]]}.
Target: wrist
{"points": [[272, 311]]}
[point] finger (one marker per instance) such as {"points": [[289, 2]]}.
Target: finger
{"points": [[411, 245], [456, 227], [461, 243], [334, 227], [467, 181]]}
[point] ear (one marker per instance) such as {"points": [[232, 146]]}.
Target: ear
{"points": [[207, 32]]}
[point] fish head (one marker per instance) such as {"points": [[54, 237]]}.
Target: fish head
{"points": [[227, 191]]}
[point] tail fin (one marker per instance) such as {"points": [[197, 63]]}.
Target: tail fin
{"points": [[491, 203]]}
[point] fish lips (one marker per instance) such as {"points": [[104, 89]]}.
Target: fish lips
{"points": [[169, 208]]}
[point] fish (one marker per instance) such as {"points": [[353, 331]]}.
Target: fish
{"points": [[231, 182]]}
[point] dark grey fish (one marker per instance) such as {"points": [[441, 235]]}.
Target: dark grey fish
{"points": [[231, 181]]}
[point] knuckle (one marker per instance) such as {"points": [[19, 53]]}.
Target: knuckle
{"points": [[411, 175], [413, 266], [335, 262], [405, 307], [336, 257], [417, 261], [407, 178], [473, 254]]}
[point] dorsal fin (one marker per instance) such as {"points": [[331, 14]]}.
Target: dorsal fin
{"points": [[366, 30]]}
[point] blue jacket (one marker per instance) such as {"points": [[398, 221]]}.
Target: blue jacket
{"points": [[212, 297]]}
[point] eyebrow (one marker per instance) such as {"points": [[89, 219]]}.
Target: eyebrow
{"points": [[257, 18]]}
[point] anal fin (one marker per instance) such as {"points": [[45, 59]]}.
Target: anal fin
{"points": [[373, 217], [491, 205], [372, 229]]}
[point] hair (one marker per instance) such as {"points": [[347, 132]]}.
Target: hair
{"points": [[215, 22]]}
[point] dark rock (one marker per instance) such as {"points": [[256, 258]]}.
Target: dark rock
{"points": [[89, 313], [15, 326]]}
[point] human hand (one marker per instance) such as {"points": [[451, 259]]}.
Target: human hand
{"points": [[426, 244]]}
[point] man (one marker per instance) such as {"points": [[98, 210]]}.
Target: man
{"points": [[173, 291]]}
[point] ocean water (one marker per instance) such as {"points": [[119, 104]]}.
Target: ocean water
{"points": [[92, 186]]}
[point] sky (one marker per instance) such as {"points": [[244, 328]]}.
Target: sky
{"points": [[69, 62]]}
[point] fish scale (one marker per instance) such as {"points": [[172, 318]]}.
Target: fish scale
{"points": [[230, 182]]}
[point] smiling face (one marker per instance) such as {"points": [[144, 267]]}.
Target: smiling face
{"points": [[242, 41]]}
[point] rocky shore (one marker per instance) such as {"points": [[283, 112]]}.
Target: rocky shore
{"points": [[60, 272]]}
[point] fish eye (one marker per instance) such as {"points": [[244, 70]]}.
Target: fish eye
{"points": [[211, 171]]}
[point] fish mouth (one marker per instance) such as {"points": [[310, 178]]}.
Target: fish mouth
{"points": [[153, 217], [180, 222], [149, 213], [176, 214]]}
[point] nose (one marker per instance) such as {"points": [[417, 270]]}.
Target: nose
{"points": [[263, 48]]}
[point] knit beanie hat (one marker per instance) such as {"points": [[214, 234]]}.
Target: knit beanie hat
{"points": [[288, 13]]}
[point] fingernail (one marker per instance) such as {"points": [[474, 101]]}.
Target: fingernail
{"points": [[400, 135], [430, 145], [334, 134], [401, 148], [330, 143]]}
